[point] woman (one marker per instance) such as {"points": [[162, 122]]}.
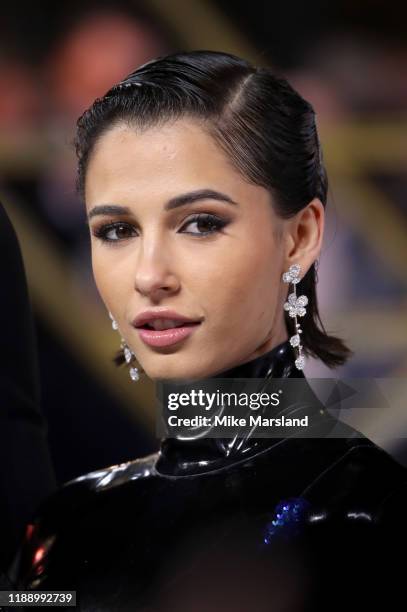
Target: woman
{"points": [[205, 191]]}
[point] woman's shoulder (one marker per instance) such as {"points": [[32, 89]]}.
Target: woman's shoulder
{"points": [[113, 475], [364, 481], [356, 529], [71, 501], [77, 491]]}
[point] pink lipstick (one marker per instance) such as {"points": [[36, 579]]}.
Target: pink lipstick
{"points": [[164, 327], [166, 337]]}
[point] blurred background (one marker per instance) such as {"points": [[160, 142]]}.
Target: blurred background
{"points": [[348, 58]]}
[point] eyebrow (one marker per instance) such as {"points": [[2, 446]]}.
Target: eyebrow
{"points": [[180, 200]]}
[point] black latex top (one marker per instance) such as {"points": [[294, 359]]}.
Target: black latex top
{"points": [[294, 524], [194, 456]]}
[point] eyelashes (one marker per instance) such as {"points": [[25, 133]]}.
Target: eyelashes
{"points": [[119, 231], [213, 221], [114, 232]]}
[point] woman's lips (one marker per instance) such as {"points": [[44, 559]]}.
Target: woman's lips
{"points": [[166, 337]]}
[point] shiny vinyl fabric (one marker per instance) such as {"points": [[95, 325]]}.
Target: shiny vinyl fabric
{"points": [[214, 524]]}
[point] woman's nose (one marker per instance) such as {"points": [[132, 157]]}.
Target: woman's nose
{"points": [[153, 277]]}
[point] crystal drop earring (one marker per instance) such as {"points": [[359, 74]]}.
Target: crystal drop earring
{"points": [[296, 308], [129, 356]]}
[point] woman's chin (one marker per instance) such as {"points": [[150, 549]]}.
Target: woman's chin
{"points": [[176, 372]]}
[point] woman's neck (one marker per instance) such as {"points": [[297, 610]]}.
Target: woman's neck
{"points": [[203, 453]]}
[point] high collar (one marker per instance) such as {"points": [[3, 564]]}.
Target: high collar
{"points": [[277, 363], [195, 456]]}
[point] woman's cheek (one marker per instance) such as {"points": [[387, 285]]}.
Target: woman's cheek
{"points": [[110, 290]]}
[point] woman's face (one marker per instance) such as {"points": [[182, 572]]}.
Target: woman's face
{"points": [[213, 257]]}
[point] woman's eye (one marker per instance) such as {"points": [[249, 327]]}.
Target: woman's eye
{"points": [[114, 232], [201, 224], [205, 223]]}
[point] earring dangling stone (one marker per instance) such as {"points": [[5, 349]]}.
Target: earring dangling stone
{"points": [[114, 323], [296, 308], [129, 356]]}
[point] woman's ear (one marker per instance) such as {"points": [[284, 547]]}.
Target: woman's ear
{"points": [[304, 236]]}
